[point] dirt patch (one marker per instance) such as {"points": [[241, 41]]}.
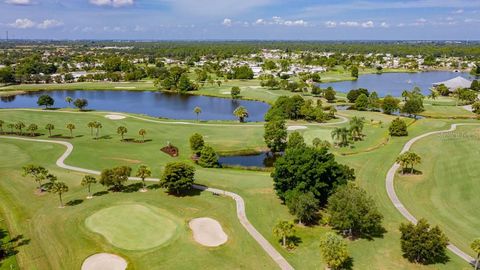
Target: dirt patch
{"points": [[115, 116], [132, 161], [104, 261], [208, 232]]}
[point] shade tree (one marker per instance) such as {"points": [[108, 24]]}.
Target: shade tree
{"points": [[208, 157], [390, 104], [235, 92], [303, 205], [408, 160], [284, 230], [275, 135], [121, 130], [45, 100], [333, 250], [38, 173], [196, 143], [58, 188], [398, 127], [115, 177], [178, 177], [80, 103]]}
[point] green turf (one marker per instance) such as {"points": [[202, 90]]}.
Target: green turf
{"points": [[446, 193], [133, 226]]}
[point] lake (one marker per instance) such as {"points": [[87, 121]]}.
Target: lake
{"points": [[394, 83], [260, 160], [152, 103]]}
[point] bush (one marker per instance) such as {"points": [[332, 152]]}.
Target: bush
{"points": [[398, 127], [361, 103], [208, 158], [178, 177], [196, 143]]}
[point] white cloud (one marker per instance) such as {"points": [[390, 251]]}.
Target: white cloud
{"points": [[22, 24], [368, 24], [227, 22], [330, 24], [295, 23], [19, 2], [458, 11], [384, 25], [280, 21], [112, 3], [139, 28], [49, 24], [349, 24], [260, 22]]}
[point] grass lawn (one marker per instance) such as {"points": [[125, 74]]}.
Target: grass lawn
{"points": [[49, 227], [448, 184], [134, 226]]}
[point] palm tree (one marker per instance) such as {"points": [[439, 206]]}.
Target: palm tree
{"points": [[1, 125], [475, 245], [38, 173], [87, 181], [50, 127], [19, 126], [241, 112], [142, 133], [122, 130], [143, 172], [91, 125], [356, 127], [284, 229], [97, 126], [32, 128], [71, 127], [341, 134], [58, 188], [68, 100], [11, 126], [197, 111], [408, 159]]}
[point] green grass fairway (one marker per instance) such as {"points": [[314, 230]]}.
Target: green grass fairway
{"points": [[447, 192], [133, 226]]}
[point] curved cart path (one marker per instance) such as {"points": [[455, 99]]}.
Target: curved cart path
{"points": [[240, 203], [389, 181]]}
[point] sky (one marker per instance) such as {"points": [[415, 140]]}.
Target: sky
{"points": [[241, 19]]}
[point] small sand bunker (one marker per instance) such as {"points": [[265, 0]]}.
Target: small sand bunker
{"points": [[208, 232], [226, 92], [290, 128], [125, 87], [468, 108], [114, 116], [104, 261]]}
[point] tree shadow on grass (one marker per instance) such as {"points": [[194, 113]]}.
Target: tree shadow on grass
{"points": [[408, 171], [132, 187], [9, 248], [154, 186], [187, 193], [104, 137], [100, 193], [74, 202]]}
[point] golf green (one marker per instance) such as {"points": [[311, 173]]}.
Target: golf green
{"points": [[133, 226]]}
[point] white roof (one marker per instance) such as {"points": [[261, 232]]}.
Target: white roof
{"points": [[455, 83]]}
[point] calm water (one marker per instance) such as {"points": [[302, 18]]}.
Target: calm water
{"points": [[151, 103], [394, 83], [261, 160]]}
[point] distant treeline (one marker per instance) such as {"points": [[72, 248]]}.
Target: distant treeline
{"points": [[225, 49]]}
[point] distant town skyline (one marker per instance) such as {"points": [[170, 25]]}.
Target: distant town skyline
{"points": [[246, 19]]}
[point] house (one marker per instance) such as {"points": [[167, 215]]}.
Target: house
{"points": [[455, 83]]}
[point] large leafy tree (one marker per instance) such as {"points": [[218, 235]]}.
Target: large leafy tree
{"points": [[308, 169], [178, 177], [398, 127], [413, 106], [115, 177], [275, 135], [422, 244], [295, 140], [390, 104], [284, 229], [361, 103], [303, 205], [334, 250], [196, 143], [80, 103], [45, 100], [408, 160], [208, 157], [351, 210]]}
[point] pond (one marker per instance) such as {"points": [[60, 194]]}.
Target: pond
{"points": [[260, 160], [394, 83], [156, 104]]}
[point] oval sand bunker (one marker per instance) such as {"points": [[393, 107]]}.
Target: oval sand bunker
{"points": [[208, 232], [104, 261], [291, 128], [114, 116]]}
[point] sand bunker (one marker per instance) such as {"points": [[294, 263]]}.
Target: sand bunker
{"points": [[114, 116], [125, 87], [104, 261], [208, 232], [290, 128]]}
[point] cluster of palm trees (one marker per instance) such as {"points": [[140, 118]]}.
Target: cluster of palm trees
{"points": [[40, 174], [345, 135], [31, 129], [240, 112], [122, 130]]}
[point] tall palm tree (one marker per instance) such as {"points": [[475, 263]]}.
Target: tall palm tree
{"points": [[433, 94], [58, 188], [97, 126], [71, 127], [32, 128], [91, 125], [143, 172], [241, 113], [341, 135], [122, 130], [356, 127], [50, 127], [284, 229], [197, 110], [87, 181], [142, 133], [19, 126], [1, 125]]}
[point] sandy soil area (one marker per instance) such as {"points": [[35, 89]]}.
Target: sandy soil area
{"points": [[114, 116], [104, 261], [296, 127], [208, 232]]}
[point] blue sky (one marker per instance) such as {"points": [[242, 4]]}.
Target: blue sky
{"points": [[241, 19]]}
